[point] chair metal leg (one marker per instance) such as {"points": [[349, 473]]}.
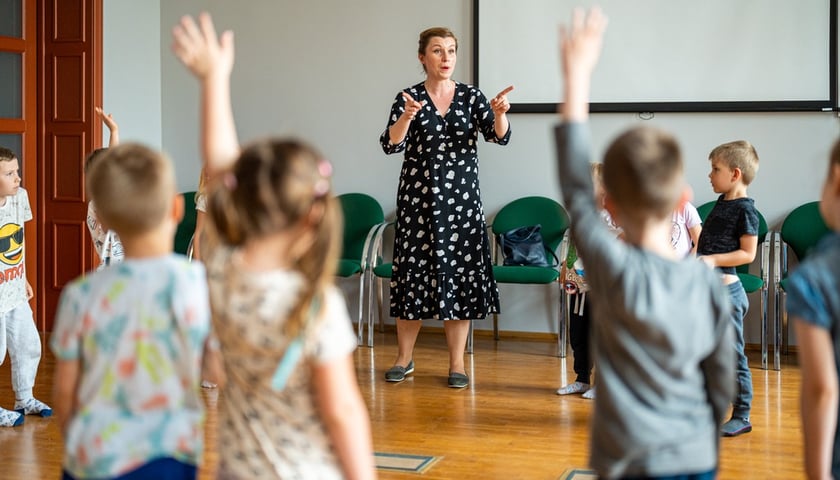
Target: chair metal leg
{"points": [[763, 293], [470, 339], [779, 256], [496, 326], [361, 306], [562, 323]]}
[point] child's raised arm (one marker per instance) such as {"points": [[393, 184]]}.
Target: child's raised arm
{"points": [[113, 127], [210, 59], [580, 47]]}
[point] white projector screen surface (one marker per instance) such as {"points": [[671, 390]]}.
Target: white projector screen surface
{"points": [[664, 50]]}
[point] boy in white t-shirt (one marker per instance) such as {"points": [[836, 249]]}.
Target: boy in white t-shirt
{"points": [[19, 335], [685, 230]]}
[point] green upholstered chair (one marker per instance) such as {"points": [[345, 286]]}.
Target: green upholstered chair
{"points": [[801, 230], [554, 222], [754, 283], [186, 228], [362, 217]]}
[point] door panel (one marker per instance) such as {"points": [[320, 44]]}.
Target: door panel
{"points": [[71, 87]]}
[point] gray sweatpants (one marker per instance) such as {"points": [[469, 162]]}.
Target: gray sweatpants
{"points": [[20, 338]]}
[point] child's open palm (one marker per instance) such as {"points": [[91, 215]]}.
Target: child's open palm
{"points": [[200, 49], [580, 43]]}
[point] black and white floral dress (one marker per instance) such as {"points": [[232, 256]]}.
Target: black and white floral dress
{"points": [[442, 267]]}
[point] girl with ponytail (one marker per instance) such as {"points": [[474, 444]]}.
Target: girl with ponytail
{"points": [[290, 404]]}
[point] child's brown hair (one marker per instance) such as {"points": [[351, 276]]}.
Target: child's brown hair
{"points": [[276, 185], [643, 173], [6, 155]]}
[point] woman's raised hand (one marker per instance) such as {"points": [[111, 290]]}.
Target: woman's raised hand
{"points": [[499, 103], [200, 49], [412, 106]]}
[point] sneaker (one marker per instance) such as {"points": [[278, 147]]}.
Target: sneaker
{"points": [[208, 384], [576, 387], [9, 418], [32, 406], [397, 373], [457, 380], [589, 394], [736, 426]]}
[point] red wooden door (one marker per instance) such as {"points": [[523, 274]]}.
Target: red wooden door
{"points": [[71, 85]]}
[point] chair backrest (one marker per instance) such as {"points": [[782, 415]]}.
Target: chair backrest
{"points": [[361, 213], [186, 228], [803, 228], [704, 210], [528, 211]]}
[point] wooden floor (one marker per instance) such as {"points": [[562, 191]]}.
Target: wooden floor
{"points": [[508, 424]]}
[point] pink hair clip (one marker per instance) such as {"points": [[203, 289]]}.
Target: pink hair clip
{"points": [[325, 168], [322, 186]]}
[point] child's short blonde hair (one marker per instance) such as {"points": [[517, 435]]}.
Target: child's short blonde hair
{"points": [[133, 188], [643, 173], [739, 154]]}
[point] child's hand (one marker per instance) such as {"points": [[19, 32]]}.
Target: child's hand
{"points": [[112, 125], [107, 119], [580, 44], [200, 49]]}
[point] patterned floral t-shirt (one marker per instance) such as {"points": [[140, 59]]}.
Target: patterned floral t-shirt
{"points": [[13, 214], [138, 331]]}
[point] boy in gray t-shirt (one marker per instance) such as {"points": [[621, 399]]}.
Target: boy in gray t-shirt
{"points": [[661, 332]]}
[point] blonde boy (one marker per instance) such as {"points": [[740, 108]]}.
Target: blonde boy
{"points": [[18, 334], [730, 238], [129, 339], [661, 334]]}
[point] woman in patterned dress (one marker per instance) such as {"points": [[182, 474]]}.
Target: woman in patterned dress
{"points": [[442, 267]]}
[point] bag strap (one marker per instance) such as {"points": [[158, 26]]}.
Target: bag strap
{"points": [[294, 351]]}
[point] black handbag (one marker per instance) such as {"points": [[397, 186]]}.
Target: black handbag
{"points": [[524, 246]]}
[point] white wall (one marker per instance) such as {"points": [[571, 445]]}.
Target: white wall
{"points": [[132, 76], [328, 70]]}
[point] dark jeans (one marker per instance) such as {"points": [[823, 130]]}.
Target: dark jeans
{"points": [[160, 469], [579, 336], [710, 475], [742, 403]]}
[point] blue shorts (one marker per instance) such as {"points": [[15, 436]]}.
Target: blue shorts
{"points": [[160, 469]]}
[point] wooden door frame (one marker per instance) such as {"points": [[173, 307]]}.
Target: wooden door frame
{"points": [[28, 127]]}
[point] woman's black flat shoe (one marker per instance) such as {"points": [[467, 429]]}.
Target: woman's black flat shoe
{"points": [[397, 373], [458, 380]]}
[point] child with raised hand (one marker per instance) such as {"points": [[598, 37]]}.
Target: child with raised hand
{"points": [[291, 406], [106, 242], [729, 239], [18, 334], [128, 339], [813, 302], [661, 333]]}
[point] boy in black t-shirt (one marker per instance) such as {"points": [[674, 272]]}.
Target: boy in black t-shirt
{"points": [[730, 238]]}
